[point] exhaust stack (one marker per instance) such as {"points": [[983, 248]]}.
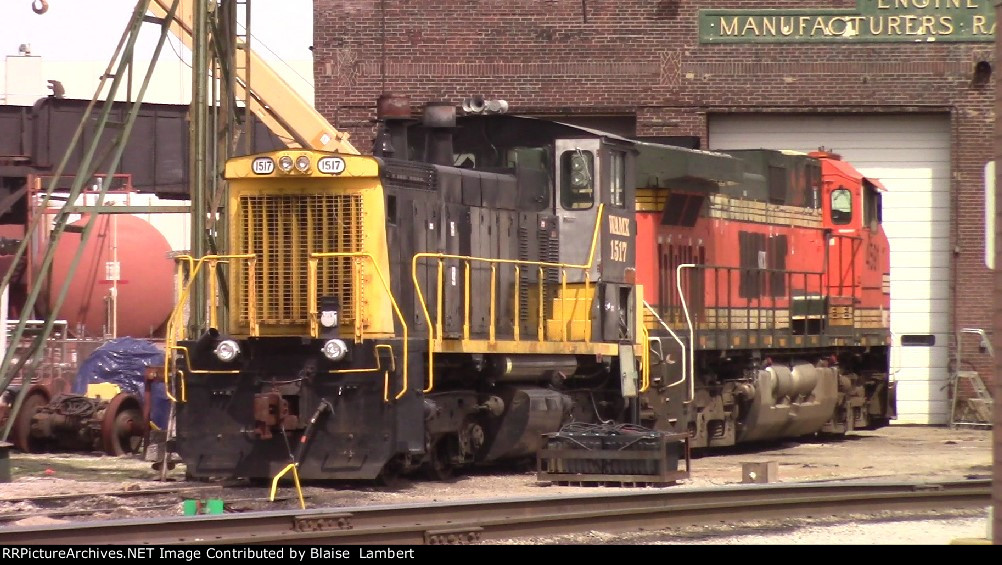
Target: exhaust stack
{"points": [[440, 121], [393, 114]]}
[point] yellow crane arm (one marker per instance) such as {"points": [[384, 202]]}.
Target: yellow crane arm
{"points": [[271, 99]]}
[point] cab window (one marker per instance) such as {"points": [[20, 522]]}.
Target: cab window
{"points": [[577, 179], [841, 206], [871, 209], [617, 179]]}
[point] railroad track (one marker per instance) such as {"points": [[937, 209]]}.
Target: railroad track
{"points": [[492, 519], [164, 498], [119, 493]]}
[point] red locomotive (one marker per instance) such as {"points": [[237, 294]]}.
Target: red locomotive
{"points": [[779, 263]]}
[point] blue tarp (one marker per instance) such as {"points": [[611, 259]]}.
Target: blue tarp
{"points": [[123, 362]]}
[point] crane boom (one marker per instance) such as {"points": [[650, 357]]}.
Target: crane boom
{"points": [[271, 99]]}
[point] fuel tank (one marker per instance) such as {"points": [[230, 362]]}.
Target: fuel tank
{"points": [[123, 285], [529, 412], [790, 402]]}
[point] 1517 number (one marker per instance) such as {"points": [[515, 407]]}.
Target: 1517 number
{"points": [[617, 251]]}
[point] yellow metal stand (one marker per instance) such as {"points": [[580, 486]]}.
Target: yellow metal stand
{"points": [[295, 477]]}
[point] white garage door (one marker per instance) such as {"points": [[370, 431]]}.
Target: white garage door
{"points": [[911, 157]]}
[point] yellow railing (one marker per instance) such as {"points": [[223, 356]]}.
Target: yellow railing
{"points": [[645, 359], [359, 325], [175, 323], [435, 331]]}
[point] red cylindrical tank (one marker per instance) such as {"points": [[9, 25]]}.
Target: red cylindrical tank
{"points": [[142, 281]]}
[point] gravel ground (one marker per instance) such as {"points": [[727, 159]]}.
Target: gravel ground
{"points": [[880, 529], [918, 453]]}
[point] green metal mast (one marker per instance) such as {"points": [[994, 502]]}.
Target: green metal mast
{"points": [[218, 113], [219, 118], [25, 366]]}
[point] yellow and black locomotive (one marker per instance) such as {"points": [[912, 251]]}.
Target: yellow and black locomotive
{"points": [[468, 289]]}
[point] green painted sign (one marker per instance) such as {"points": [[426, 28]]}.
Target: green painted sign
{"points": [[873, 20]]}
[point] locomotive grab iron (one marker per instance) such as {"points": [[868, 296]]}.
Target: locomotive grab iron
{"points": [[485, 279]]}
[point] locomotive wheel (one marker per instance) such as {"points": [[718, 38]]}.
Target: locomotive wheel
{"points": [[438, 467], [877, 423], [20, 433], [58, 385], [390, 476], [122, 426]]}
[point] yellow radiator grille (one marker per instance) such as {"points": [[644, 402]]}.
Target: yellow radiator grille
{"points": [[282, 231]]}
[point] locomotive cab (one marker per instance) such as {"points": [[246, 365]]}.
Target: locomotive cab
{"points": [[851, 202], [858, 250], [597, 174]]}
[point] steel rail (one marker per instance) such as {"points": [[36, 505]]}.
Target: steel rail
{"points": [[474, 521]]}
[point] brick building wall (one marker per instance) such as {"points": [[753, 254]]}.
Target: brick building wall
{"points": [[643, 58]]}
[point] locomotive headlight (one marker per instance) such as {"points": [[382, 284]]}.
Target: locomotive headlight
{"points": [[285, 163], [302, 163], [335, 349], [328, 318], [330, 310], [227, 350]]}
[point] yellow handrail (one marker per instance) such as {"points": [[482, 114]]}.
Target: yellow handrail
{"points": [[358, 256], [541, 315], [439, 298], [376, 369], [645, 360], [213, 312], [516, 325], [175, 322], [435, 329], [311, 290], [563, 310], [677, 339], [587, 287], [492, 332], [644, 336], [466, 302]]}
